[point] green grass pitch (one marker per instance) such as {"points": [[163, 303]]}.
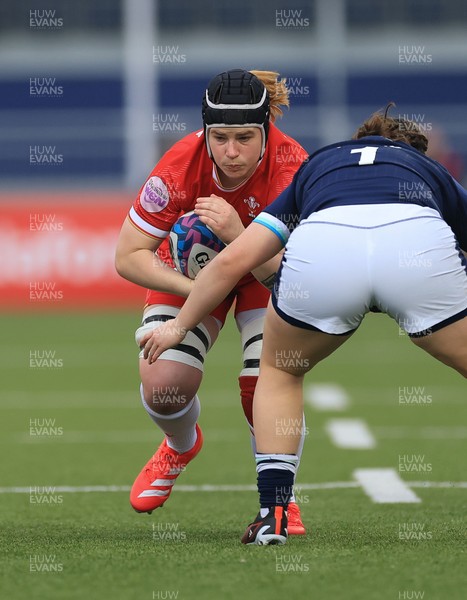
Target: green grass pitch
{"points": [[78, 545]]}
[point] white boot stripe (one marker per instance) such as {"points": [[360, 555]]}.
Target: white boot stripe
{"points": [[149, 493], [163, 482], [176, 470]]}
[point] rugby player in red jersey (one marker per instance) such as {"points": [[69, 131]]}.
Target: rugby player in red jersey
{"points": [[228, 172]]}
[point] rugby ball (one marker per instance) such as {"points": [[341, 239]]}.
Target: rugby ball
{"points": [[192, 244]]}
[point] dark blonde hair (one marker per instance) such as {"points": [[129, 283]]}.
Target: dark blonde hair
{"points": [[277, 90], [397, 129]]}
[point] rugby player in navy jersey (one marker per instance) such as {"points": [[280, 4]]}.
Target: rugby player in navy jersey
{"points": [[367, 224]]}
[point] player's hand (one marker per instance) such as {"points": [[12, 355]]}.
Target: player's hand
{"points": [[220, 216], [164, 337]]}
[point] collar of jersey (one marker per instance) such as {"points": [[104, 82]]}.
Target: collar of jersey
{"points": [[216, 179]]}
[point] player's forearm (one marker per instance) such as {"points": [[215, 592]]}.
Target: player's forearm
{"points": [[211, 286], [256, 247], [146, 269], [266, 273]]}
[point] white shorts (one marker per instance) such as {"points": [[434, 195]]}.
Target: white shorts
{"points": [[399, 259]]}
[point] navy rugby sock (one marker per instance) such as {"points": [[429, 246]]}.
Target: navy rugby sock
{"points": [[276, 473]]}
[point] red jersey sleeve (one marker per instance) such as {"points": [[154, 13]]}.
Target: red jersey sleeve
{"points": [[167, 192]]}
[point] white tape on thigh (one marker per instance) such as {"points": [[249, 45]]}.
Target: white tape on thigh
{"points": [[252, 342], [192, 351]]}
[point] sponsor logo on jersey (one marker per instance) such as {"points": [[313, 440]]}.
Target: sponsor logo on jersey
{"points": [[154, 196]]}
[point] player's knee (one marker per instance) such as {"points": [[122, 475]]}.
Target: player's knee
{"points": [[169, 392], [166, 398]]}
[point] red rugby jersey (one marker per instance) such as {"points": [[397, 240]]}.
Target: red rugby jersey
{"points": [[186, 173]]}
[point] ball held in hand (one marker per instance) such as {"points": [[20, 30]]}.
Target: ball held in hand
{"points": [[192, 244]]}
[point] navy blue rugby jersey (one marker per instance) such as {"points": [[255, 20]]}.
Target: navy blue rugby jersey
{"points": [[371, 170]]}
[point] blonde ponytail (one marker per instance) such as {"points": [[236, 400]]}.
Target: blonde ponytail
{"points": [[277, 90]]}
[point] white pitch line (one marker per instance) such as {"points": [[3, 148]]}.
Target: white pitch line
{"points": [[437, 484], [326, 396], [215, 435], [429, 433], [384, 486], [350, 434], [107, 437], [181, 488], [331, 485], [41, 401]]}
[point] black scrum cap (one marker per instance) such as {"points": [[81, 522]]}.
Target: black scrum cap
{"points": [[236, 98]]}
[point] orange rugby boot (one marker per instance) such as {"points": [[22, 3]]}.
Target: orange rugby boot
{"points": [[295, 525], [154, 484]]}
